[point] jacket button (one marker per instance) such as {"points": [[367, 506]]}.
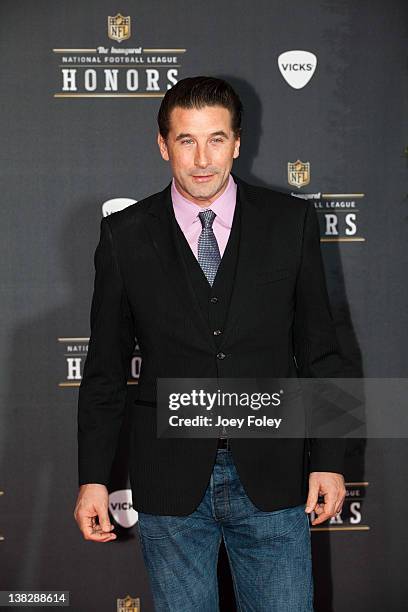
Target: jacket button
{"points": [[214, 300], [221, 355], [217, 332]]}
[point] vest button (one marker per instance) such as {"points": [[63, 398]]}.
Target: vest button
{"points": [[217, 332], [214, 300], [221, 355]]}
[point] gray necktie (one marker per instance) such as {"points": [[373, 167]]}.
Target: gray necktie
{"points": [[208, 251]]}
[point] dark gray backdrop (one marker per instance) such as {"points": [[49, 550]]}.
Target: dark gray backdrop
{"points": [[61, 158]]}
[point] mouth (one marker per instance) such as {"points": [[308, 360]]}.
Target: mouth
{"points": [[202, 179]]}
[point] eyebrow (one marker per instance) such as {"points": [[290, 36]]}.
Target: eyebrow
{"points": [[186, 135]]}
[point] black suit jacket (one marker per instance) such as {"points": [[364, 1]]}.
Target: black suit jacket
{"points": [[278, 324]]}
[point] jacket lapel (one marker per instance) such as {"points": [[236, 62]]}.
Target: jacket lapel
{"points": [[252, 237]]}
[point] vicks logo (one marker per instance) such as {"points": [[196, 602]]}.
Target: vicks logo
{"points": [[297, 67]]}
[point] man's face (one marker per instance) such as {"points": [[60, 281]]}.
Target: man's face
{"points": [[201, 147]]}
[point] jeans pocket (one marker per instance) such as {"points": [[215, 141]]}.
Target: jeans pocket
{"points": [[287, 523], [292, 519], [156, 527]]}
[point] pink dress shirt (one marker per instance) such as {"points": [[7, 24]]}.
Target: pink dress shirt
{"points": [[186, 213]]}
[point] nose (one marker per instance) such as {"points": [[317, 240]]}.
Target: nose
{"points": [[201, 156]]}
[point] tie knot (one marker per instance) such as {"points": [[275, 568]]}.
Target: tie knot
{"points": [[207, 217]]}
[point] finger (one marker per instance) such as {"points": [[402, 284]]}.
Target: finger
{"points": [[85, 522], [340, 501], [88, 524], [97, 535], [98, 528], [312, 498], [104, 520], [328, 512], [320, 519], [89, 527], [101, 537]]}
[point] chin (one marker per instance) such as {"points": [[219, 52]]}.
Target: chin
{"points": [[205, 195], [200, 193], [205, 191]]}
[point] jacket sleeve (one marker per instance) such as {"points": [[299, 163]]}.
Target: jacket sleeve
{"points": [[316, 347], [103, 389]]}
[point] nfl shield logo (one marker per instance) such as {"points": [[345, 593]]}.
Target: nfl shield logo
{"points": [[119, 27], [128, 604], [298, 173]]}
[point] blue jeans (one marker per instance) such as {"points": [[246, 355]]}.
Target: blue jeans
{"points": [[269, 552]]}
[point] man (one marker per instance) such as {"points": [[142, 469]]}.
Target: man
{"points": [[215, 278]]}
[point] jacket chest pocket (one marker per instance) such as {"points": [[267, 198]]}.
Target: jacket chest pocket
{"points": [[271, 276]]}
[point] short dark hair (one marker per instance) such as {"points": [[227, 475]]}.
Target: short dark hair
{"points": [[197, 92]]}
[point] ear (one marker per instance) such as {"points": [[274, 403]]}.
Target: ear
{"points": [[236, 147], [163, 147]]}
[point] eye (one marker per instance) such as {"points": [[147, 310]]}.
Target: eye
{"points": [[186, 141], [218, 139]]}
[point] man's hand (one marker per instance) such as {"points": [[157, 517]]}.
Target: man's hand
{"points": [[92, 502], [331, 486]]}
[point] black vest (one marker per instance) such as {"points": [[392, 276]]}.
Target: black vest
{"points": [[214, 301]]}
